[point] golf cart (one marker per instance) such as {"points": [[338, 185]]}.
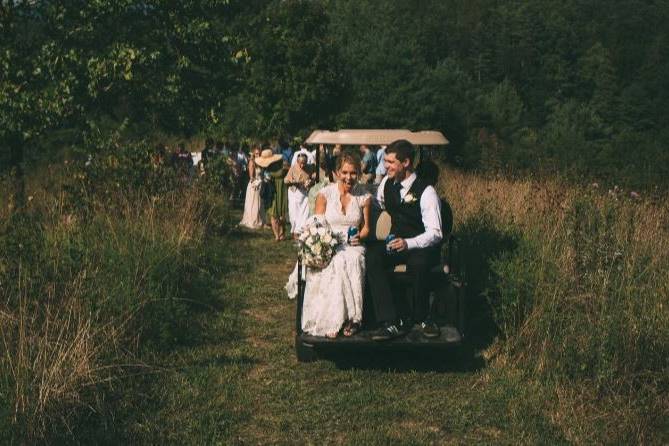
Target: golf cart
{"points": [[447, 294]]}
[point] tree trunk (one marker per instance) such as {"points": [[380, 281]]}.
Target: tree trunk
{"points": [[17, 197]]}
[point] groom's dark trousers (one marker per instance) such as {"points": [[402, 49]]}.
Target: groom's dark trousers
{"points": [[379, 276]]}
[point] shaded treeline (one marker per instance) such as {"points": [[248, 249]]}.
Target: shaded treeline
{"points": [[574, 86], [578, 87]]}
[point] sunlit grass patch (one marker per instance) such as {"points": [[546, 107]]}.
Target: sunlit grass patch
{"points": [[579, 298]]}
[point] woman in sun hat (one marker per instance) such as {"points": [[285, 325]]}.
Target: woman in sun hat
{"points": [[276, 167]]}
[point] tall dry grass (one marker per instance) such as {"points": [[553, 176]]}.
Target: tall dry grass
{"points": [[577, 282], [83, 294]]}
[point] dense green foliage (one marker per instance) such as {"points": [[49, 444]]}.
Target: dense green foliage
{"points": [[71, 72], [578, 87], [539, 86]]}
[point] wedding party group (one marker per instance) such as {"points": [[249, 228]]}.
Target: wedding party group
{"points": [[283, 184], [342, 254]]}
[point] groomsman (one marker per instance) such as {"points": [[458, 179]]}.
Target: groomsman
{"points": [[415, 211]]}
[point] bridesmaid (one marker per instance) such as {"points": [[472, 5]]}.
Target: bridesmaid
{"points": [[254, 211], [298, 182], [276, 168]]}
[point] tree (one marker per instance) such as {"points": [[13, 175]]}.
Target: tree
{"points": [[167, 65], [293, 79], [601, 82]]}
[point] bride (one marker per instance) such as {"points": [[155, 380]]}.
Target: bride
{"points": [[333, 295]]}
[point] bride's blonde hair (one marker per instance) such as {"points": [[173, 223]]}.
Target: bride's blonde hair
{"points": [[350, 157]]}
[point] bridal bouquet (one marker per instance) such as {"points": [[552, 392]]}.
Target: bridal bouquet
{"points": [[317, 244], [256, 184]]}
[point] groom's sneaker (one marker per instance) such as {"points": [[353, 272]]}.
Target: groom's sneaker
{"points": [[430, 330], [388, 331]]}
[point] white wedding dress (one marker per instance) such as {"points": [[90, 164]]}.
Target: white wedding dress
{"points": [[298, 208], [333, 295], [254, 212]]}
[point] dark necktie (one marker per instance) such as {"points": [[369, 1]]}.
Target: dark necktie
{"points": [[397, 187]]}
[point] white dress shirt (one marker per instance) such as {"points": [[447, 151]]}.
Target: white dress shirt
{"points": [[311, 158], [430, 211], [381, 165]]}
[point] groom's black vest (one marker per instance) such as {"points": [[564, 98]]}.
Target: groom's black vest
{"points": [[407, 221]]}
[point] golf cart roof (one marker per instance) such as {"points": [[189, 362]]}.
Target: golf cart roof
{"points": [[377, 137]]}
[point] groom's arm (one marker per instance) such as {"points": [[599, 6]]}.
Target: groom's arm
{"points": [[430, 211]]}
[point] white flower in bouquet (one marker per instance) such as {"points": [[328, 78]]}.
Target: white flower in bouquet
{"points": [[317, 244]]}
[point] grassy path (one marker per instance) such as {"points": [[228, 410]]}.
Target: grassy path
{"points": [[241, 384]]}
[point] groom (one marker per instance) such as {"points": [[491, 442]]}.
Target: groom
{"points": [[415, 211]]}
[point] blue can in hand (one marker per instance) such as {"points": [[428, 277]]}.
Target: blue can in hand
{"points": [[389, 239], [352, 232]]}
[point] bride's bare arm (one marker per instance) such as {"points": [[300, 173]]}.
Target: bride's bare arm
{"points": [[366, 212], [321, 204]]}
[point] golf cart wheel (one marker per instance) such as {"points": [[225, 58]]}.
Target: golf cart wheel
{"points": [[304, 352]]}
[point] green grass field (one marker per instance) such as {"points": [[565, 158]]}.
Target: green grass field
{"points": [[239, 382], [155, 321]]}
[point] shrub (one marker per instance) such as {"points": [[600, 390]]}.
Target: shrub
{"points": [[517, 280], [579, 299], [94, 276]]}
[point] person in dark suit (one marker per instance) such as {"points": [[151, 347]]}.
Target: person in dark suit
{"points": [[415, 211]]}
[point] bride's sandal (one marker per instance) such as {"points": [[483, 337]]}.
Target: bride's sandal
{"points": [[351, 329], [332, 335]]}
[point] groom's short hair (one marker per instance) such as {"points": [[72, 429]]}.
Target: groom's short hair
{"points": [[402, 149]]}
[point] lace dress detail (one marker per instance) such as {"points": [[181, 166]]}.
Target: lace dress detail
{"points": [[333, 295]]}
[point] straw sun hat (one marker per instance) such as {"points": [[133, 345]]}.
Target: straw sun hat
{"points": [[267, 157]]}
